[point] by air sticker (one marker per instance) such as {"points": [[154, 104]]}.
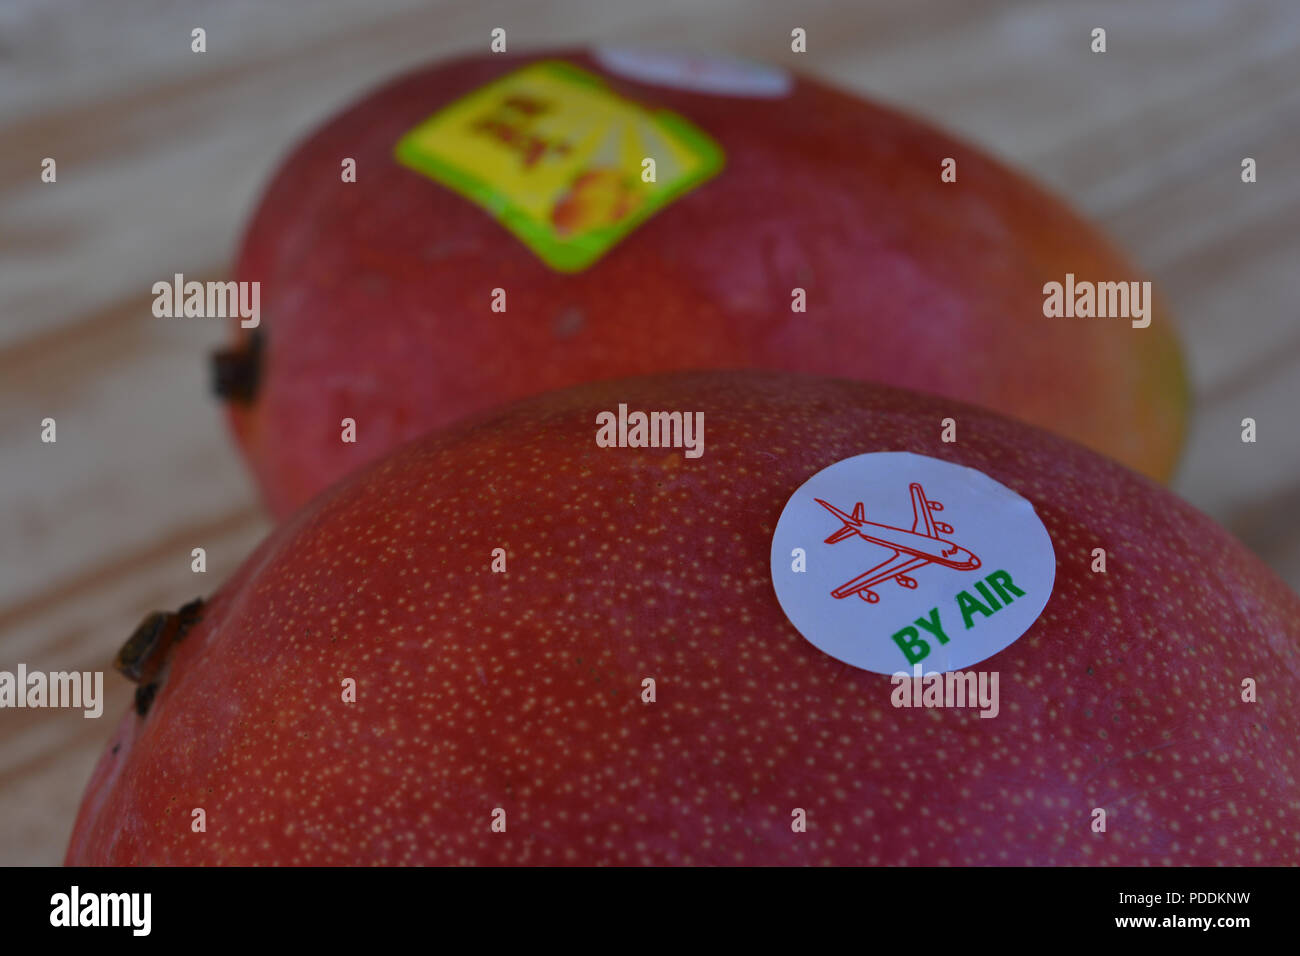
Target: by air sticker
{"points": [[891, 560], [558, 157], [699, 74]]}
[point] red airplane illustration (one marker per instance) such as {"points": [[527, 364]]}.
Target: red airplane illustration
{"points": [[911, 549]]}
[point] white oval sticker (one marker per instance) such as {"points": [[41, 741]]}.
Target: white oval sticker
{"points": [[700, 74], [889, 561]]}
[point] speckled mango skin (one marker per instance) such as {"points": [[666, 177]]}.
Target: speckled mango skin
{"points": [[522, 690], [376, 294]]}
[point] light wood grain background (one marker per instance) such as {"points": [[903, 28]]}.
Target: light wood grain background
{"points": [[161, 153]]}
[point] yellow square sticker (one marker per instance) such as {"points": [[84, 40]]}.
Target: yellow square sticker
{"points": [[564, 162]]}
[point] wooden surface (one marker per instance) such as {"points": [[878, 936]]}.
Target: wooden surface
{"points": [[161, 153]]}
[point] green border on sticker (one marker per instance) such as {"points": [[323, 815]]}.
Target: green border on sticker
{"points": [[568, 255]]}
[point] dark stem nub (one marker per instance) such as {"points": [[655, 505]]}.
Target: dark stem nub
{"points": [[189, 614], [144, 697], [141, 652], [142, 657], [237, 371]]}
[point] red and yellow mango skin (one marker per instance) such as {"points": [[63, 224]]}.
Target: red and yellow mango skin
{"points": [[376, 294], [522, 690]]}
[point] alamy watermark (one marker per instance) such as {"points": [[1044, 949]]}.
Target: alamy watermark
{"points": [[75, 908], [208, 300], [56, 689], [651, 430], [950, 689], [1101, 300]]}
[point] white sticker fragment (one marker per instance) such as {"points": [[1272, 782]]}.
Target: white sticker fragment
{"points": [[909, 560], [683, 71]]}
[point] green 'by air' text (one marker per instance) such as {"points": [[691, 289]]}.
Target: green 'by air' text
{"points": [[914, 639]]}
